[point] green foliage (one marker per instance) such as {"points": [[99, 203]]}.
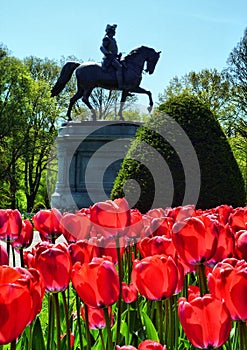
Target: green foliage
{"points": [[237, 72], [221, 180], [28, 119], [211, 87]]}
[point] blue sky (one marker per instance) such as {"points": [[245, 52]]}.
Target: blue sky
{"points": [[192, 35]]}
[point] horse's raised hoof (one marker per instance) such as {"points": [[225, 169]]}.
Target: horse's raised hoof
{"points": [[150, 109]]}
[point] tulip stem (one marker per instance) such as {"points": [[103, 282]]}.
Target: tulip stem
{"points": [[66, 311], [30, 339], [108, 328], [102, 339], [202, 279], [176, 321], [78, 305], [22, 257], [119, 303], [13, 345], [234, 341], [13, 256], [128, 320], [58, 321], [139, 315], [160, 318], [8, 248], [87, 327], [169, 322], [242, 335], [50, 335]]}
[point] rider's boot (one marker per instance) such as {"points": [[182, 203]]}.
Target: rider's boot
{"points": [[120, 82]]}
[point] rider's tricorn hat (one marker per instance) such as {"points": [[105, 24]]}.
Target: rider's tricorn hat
{"points": [[110, 27]]}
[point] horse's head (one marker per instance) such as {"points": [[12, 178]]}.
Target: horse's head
{"points": [[152, 59]]}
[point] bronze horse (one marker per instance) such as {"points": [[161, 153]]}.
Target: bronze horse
{"points": [[91, 75]]}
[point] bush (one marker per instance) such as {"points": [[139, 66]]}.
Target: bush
{"points": [[163, 176]]}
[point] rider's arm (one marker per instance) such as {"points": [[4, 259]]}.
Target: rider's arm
{"points": [[104, 46]]}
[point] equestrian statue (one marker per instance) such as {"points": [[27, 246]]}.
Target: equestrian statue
{"points": [[114, 73]]}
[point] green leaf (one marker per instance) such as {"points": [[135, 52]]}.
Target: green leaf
{"points": [[38, 342], [149, 327]]}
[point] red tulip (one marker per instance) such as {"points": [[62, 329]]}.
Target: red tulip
{"points": [[20, 294], [54, 264], [228, 281], [151, 345], [47, 222], [162, 226], [206, 321], [111, 218], [81, 251], [223, 212], [96, 317], [238, 219], [225, 244], [155, 277], [26, 235], [107, 247], [14, 315], [136, 226], [195, 239], [4, 259], [96, 282], [193, 292], [35, 283], [182, 213], [157, 213], [129, 293], [241, 244], [75, 226], [125, 347], [181, 274], [156, 245], [10, 224]]}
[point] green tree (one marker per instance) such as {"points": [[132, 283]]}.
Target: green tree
{"points": [[40, 136], [237, 73], [15, 83], [211, 87], [221, 180], [28, 116]]}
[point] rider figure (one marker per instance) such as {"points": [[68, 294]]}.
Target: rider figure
{"points": [[110, 50]]}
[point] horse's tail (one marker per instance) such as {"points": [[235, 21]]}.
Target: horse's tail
{"points": [[64, 77]]}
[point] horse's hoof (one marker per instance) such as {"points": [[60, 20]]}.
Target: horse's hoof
{"points": [[149, 109]]}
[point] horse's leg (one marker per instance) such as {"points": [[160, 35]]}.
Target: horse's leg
{"points": [[140, 90], [73, 100], [122, 102], [86, 94]]}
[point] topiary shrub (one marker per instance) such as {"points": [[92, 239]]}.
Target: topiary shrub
{"points": [[180, 156]]}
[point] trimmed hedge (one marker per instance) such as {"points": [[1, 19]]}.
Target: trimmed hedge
{"points": [[163, 177]]}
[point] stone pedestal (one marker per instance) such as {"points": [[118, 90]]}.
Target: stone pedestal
{"points": [[89, 158]]}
